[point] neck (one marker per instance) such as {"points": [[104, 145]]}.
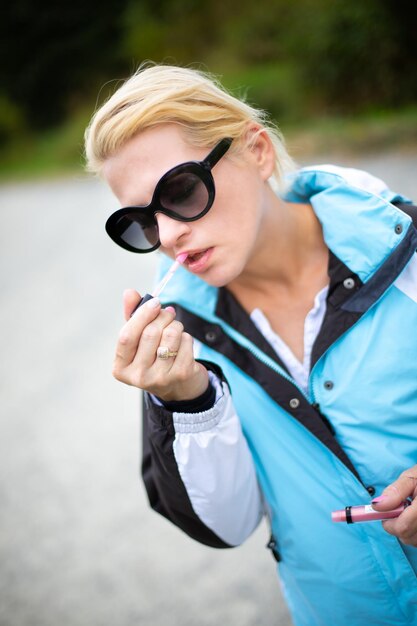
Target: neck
{"points": [[291, 252]]}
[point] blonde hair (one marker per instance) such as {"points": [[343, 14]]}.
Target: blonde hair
{"points": [[158, 94]]}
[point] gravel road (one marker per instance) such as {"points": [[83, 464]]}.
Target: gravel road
{"points": [[78, 543]]}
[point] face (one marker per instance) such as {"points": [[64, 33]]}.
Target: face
{"points": [[223, 243]]}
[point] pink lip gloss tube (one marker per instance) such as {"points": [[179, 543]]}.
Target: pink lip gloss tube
{"points": [[366, 513]]}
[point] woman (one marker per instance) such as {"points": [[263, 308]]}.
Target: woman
{"points": [[279, 363]]}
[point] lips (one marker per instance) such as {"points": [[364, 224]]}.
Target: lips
{"points": [[197, 260], [196, 256]]}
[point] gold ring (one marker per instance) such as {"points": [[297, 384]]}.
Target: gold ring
{"points": [[164, 353]]}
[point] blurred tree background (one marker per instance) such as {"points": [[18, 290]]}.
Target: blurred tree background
{"points": [[304, 61]]}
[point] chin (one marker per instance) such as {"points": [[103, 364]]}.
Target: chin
{"points": [[219, 278]]}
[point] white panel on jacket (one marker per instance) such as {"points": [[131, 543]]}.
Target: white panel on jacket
{"points": [[356, 178], [217, 469], [407, 280]]}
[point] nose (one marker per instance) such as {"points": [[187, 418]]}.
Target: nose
{"points": [[171, 231]]}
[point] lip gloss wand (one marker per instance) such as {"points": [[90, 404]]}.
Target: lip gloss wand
{"points": [[180, 259]]}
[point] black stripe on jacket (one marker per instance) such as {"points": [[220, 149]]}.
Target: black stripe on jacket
{"points": [[166, 491]]}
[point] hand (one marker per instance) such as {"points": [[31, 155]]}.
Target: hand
{"points": [[405, 526], [136, 363]]}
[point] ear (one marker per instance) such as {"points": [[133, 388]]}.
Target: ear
{"points": [[260, 150]]}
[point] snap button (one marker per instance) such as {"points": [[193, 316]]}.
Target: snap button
{"points": [[349, 283], [328, 385], [211, 336], [399, 229], [294, 403], [371, 490]]}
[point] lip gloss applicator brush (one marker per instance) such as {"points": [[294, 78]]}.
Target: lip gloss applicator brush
{"points": [[180, 259]]}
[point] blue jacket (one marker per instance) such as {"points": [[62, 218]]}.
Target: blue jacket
{"points": [[352, 435]]}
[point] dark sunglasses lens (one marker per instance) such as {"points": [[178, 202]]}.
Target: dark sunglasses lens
{"points": [[184, 193], [138, 231]]}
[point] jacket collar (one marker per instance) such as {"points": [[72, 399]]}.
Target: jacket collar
{"points": [[353, 207]]}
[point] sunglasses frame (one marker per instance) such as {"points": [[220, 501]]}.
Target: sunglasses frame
{"points": [[201, 168]]}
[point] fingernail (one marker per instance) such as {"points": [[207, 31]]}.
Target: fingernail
{"points": [[378, 499], [147, 301], [170, 308]]}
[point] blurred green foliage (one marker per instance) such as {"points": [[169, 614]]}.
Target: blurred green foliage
{"points": [[54, 53], [299, 59]]}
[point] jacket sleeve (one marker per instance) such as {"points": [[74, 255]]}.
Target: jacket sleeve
{"points": [[198, 470]]}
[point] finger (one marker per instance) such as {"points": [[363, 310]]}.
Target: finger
{"points": [[405, 526], [171, 338], [150, 337], [185, 349], [185, 366], [131, 299], [398, 491], [192, 376], [186, 379], [131, 332]]}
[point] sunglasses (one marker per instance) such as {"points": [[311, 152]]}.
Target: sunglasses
{"points": [[185, 193]]}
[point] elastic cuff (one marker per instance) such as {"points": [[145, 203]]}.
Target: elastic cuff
{"points": [[197, 405]]}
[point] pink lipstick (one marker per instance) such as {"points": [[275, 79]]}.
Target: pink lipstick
{"points": [[366, 513]]}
